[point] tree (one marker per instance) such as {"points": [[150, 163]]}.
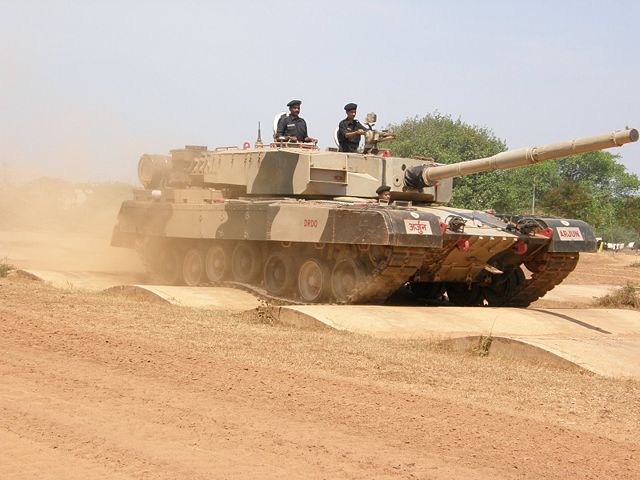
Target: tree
{"points": [[601, 171], [597, 189], [628, 213], [523, 188]]}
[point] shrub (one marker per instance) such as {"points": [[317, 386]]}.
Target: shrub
{"points": [[627, 296], [5, 268]]}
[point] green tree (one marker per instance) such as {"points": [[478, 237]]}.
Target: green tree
{"points": [[522, 188], [597, 189], [628, 213], [601, 171]]}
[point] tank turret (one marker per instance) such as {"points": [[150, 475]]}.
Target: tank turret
{"points": [[304, 171]]}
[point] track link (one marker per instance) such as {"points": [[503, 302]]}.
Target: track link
{"points": [[256, 291], [389, 276], [552, 269]]}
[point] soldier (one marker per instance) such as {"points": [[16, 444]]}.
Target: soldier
{"points": [[292, 127], [384, 193], [350, 130]]}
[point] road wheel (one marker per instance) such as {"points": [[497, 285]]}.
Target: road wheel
{"points": [[217, 263], [314, 280], [167, 266], [279, 274], [464, 295], [504, 287], [193, 267], [246, 262], [346, 278]]}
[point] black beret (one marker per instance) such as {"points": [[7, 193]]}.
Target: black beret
{"points": [[350, 106], [383, 188], [294, 102]]}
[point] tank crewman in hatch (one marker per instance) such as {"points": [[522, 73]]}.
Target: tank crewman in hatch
{"points": [[350, 130], [384, 193], [292, 127]]}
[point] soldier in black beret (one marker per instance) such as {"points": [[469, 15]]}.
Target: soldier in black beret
{"points": [[292, 127], [384, 192], [350, 130]]}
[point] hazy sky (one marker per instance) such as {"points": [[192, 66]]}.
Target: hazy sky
{"points": [[87, 86]]}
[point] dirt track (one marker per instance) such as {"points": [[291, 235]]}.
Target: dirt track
{"points": [[103, 387]]}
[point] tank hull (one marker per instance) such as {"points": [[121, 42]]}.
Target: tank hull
{"points": [[313, 251]]}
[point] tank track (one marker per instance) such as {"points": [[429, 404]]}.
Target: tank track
{"points": [[552, 269], [377, 286], [378, 283], [381, 280], [385, 279], [402, 264], [261, 294]]}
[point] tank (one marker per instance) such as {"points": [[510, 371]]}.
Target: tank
{"points": [[297, 224]]}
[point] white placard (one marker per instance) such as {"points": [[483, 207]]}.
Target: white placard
{"points": [[417, 227], [569, 234]]}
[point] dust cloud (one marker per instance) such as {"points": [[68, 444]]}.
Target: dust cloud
{"points": [[52, 224]]}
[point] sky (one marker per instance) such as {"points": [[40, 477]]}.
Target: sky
{"points": [[87, 86]]}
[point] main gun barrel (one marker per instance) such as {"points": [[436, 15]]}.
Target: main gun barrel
{"points": [[531, 155]]}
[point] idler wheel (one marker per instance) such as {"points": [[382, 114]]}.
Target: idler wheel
{"points": [[464, 295], [504, 287], [314, 280], [346, 278], [279, 273], [246, 264], [217, 263], [193, 267], [167, 268]]}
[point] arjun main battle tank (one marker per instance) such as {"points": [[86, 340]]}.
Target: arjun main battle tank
{"points": [[296, 223]]}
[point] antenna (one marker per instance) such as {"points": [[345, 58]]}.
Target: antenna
{"points": [[259, 139]]}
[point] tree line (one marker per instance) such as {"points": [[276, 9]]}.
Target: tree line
{"points": [[593, 187]]}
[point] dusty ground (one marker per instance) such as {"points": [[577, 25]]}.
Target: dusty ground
{"points": [[608, 268], [97, 386]]}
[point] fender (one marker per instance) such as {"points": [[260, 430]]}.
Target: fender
{"points": [[569, 235]]}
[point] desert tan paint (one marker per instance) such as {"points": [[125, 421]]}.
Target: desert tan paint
{"points": [[195, 222], [301, 174], [212, 220], [299, 224]]}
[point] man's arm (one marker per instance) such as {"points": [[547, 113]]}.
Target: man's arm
{"points": [[342, 129], [358, 131], [307, 138], [281, 126]]}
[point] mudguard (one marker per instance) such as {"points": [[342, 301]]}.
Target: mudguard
{"points": [[570, 235]]}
